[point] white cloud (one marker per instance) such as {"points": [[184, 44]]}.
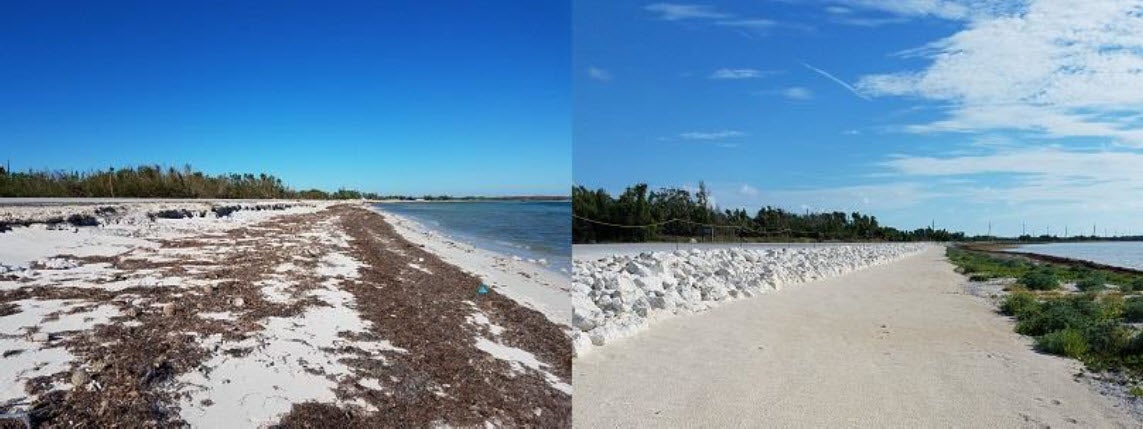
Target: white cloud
{"points": [[1037, 179], [833, 78], [1056, 68], [757, 24], [748, 190], [942, 9], [797, 93], [746, 26], [678, 12], [599, 74], [727, 73], [838, 10], [713, 135]]}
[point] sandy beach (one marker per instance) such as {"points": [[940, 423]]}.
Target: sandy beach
{"points": [[247, 314], [895, 345], [529, 283]]}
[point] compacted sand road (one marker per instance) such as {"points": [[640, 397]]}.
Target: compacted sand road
{"points": [[898, 345]]}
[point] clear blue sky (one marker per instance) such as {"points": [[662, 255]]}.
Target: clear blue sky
{"points": [[388, 96], [959, 112]]}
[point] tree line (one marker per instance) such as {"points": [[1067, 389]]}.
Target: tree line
{"points": [[153, 181], [674, 213]]}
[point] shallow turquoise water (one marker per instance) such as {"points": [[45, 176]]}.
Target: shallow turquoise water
{"points": [[539, 229]]}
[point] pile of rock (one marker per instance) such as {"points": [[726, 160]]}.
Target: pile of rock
{"points": [[619, 295]]}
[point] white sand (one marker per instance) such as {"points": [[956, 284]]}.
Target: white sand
{"points": [[529, 284], [898, 345]]}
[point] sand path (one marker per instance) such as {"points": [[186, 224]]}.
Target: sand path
{"points": [[897, 345]]}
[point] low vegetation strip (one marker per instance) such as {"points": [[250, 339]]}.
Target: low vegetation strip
{"points": [[1070, 310]]}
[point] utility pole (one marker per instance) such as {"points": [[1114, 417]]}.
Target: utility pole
{"points": [[990, 228], [1023, 228]]}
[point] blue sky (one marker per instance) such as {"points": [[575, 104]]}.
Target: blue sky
{"points": [[958, 112], [395, 97]]}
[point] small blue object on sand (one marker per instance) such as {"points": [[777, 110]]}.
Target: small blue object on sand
{"points": [[482, 290]]}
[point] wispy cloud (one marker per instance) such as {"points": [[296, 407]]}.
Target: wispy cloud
{"points": [[798, 93], [750, 24], [711, 135], [679, 12], [599, 74], [833, 78], [745, 25], [956, 10], [1055, 69], [728, 73]]}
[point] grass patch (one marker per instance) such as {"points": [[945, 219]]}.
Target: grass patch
{"points": [[1133, 310], [1065, 342], [1093, 325], [1020, 302], [1040, 279], [1091, 283]]}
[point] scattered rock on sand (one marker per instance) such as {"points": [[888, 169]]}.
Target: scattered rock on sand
{"points": [[169, 309], [238, 302], [80, 378]]}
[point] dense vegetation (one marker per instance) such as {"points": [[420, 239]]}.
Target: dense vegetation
{"points": [[1093, 324], [674, 213], [153, 181]]}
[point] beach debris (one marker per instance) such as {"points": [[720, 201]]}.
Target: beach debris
{"points": [[80, 378], [482, 289], [132, 312], [238, 302], [209, 288], [19, 416], [41, 337]]}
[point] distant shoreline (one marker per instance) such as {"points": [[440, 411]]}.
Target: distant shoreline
{"points": [[999, 249]]}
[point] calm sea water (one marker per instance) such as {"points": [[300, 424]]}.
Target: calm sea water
{"points": [[539, 229], [1128, 254]]}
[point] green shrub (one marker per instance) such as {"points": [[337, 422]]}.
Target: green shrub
{"points": [[1135, 285], [1065, 342], [1077, 312], [1108, 338], [1133, 309], [1020, 304], [1137, 391], [1092, 283], [1040, 279]]}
